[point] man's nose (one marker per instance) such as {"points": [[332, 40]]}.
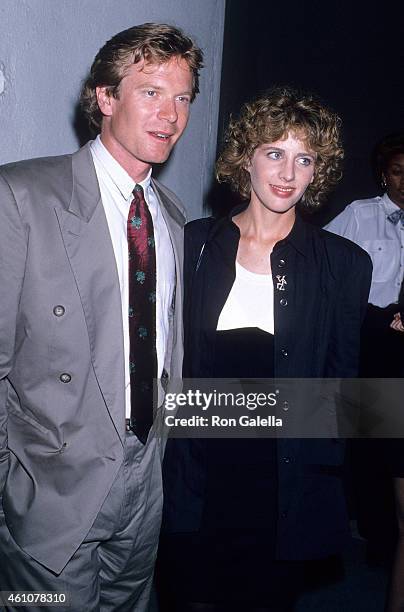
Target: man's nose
{"points": [[168, 110]]}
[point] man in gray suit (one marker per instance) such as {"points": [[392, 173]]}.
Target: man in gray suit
{"points": [[80, 480]]}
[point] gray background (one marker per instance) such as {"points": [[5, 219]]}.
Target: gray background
{"points": [[46, 49]]}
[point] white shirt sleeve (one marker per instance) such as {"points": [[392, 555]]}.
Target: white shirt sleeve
{"points": [[345, 224]]}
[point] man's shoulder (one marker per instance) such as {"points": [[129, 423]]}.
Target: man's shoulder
{"points": [[35, 184], [25, 169], [41, 170]]}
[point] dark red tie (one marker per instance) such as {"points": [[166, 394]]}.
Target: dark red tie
{"points": [[142, 314]]}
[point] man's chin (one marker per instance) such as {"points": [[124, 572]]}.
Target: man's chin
{"points": [[159, 159]]}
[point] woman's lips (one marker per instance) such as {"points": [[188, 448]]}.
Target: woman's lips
{"points": [[282, 192]]}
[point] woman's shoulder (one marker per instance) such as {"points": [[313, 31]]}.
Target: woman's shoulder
{"points": [[341, 249], [198, 231], [199, 226]]}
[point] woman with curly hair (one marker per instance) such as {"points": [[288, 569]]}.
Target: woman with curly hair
{"points": [[267, 295]]}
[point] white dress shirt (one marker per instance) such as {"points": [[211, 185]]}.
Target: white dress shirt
{"points": [[250, 302], [116, 187], [365, 222]]}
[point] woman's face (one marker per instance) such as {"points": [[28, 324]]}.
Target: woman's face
{"points": [[394, 177], [280, 173]]}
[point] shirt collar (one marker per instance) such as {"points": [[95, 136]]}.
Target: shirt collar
{"points": [[297, 236], [121, 179], [389, 204]]}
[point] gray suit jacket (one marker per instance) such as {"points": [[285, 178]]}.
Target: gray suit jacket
{"points": [[61, 437]]}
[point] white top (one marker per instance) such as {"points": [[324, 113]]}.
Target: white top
{"points": [[365, 222], [116, 188], [250, 302]]}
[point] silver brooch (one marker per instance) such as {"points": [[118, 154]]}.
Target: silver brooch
{"points": [[280, 285]]}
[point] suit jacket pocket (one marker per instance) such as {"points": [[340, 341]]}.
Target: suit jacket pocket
{"points": [[26, 418]]}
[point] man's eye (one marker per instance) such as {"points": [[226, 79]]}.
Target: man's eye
{"points": [[184, 99], [151, 93]]}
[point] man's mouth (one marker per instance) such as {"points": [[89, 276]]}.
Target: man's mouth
{"points": [[161, 135]]}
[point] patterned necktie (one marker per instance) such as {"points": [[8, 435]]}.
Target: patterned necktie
{"points": [[396, 216], [142, 314]]}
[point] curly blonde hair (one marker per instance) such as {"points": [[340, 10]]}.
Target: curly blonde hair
{"points": [[270, 118]]}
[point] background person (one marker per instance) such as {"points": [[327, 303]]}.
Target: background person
{"points": [[91, 265], [266, 294], [377, 225]]}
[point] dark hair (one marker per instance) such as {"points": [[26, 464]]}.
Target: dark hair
{"points": [[151, 42], [385, 150], [270, 118]]}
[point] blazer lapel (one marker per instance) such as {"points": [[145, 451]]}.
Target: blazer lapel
{"points": [[175, 224], [89, 248]]}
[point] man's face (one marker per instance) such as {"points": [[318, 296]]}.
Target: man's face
{"points": [[142, 125]]}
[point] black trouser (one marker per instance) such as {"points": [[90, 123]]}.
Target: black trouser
{"points": [[382, 356], [382, 348]]}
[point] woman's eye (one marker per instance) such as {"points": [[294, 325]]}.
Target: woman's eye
{"points": [[305, 161], [274, 154]]}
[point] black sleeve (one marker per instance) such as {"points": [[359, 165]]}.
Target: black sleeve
{"points": [[349, 313], [196, 233]]}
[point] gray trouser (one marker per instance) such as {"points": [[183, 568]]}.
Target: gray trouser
{"points": [[112, 570]]}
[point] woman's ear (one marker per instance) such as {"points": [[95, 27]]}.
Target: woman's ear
{"points": [[247, 165]]}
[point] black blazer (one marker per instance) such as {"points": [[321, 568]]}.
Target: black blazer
{"points": [[318, 313]]}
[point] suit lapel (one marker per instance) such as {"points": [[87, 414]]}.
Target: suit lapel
{"points": [[175, 224], [174, 221], [89, 248]]}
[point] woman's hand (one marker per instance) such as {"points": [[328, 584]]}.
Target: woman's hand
{"points": [[397, 323]]}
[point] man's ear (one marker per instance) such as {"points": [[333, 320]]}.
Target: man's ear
{"points": [[104, 100]]}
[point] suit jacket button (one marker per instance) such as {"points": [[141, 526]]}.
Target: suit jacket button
{"points": [[286, 459], [283, 302], [284, 352], [164, 374], [65, 377], [59, 310], [281, 263]]}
